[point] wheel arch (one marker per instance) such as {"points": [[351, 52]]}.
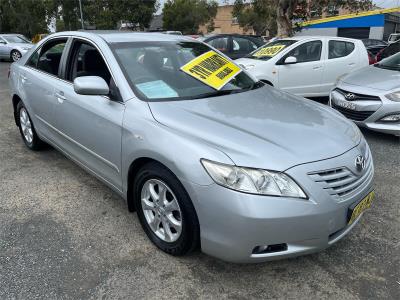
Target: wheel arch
{"points": [[15, 100], [133, 169]]}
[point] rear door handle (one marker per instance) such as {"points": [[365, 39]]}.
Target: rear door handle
{"points": [[23, 78], [60, 97], [317, 67], [352, 64]]}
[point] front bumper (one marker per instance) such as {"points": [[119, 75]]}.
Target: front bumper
{"points": [[233, 224], [378, 109]]}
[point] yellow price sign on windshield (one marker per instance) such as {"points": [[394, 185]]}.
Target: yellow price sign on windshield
{"points": [[212, 69], [269, 51]]}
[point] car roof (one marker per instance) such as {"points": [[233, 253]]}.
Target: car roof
{"points": [[114, 36], [312, 37]]}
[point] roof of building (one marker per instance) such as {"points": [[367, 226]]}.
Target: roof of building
{"points": [[350, 16]]}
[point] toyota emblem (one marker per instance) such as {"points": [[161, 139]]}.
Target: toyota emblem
{"points": [[360, 163], [350, 96]]}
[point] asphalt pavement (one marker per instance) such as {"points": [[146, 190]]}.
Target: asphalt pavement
{"points": [[64, 235]]}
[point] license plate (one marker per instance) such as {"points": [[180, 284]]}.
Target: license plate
{"points": [[357, 209], [347, 105]]}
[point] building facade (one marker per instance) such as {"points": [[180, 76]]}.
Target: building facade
{"points": [[224, 22], [375, 24]]}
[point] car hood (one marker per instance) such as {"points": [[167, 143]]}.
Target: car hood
{"points": [[246, 62], [22, 45], [263, 128], [375, 78]]}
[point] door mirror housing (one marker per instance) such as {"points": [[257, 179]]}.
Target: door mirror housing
{"points": [[91, 85], [290, 60]]}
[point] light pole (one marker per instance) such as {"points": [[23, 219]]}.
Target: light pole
{"points": [[80, 8]]}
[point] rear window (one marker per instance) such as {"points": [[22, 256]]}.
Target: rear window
{"points": [[340, 49]]}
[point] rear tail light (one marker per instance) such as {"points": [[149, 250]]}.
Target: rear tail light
{"points": [[378, 56]]}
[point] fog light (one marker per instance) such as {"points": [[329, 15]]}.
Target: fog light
{"points": [[269, 249], [391, 118]]}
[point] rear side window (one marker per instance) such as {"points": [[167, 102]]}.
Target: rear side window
{"points": [[220, 43], [241, 45], [48, 57], [340, 49]]}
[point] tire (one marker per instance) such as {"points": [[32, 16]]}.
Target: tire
{"points": [[27, 130], [189, 235], [15, 55]]}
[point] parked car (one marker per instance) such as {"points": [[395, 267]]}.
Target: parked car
{"points": [[234, 45], [206, 155], [371, 96], [374, 46], [393, 48], [394, 37], [13, 46], [305, 65]]}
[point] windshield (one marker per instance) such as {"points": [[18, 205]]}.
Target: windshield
{"points": [[155, 71], [271, 49], [390, 63], [14, 39]]}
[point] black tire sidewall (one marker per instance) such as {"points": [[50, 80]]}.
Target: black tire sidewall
{"points": [[189, 237]]}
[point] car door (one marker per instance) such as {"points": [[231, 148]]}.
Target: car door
{"points": [[342, 58], [4, 49], [304, 76], [90, 127], [37, 81]]}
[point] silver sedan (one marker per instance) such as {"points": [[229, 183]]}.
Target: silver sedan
{"points": [[13, 46], [207, 156], [371, 96]]}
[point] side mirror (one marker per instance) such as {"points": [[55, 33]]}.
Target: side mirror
{"points": [[91, 85], [290, 60]]}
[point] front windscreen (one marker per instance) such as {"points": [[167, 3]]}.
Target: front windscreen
{"points": [[14, 39], [156, 70], [271, 49]]}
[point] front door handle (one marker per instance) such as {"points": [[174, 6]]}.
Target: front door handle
{"points": [[60, 97], [23, 78], [317, 67]]}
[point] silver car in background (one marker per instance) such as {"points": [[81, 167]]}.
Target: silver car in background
{"points": [[13, 46], [245, 172], [371, 96]]}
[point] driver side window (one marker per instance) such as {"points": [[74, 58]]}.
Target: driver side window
{"points": [[307, 52]]}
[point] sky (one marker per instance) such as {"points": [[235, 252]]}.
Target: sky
{"points": [[381, 3]]}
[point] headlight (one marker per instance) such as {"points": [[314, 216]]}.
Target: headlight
{"points": [[247, 67], [394, 96], [25, 48], [338, 79], [253, 181], [391, 118]]}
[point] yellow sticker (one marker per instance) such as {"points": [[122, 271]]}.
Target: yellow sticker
{"points": [[269, 51], [212, 69]]}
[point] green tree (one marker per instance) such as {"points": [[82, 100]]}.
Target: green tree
{"points": [[188, 15], [27, 17], [277, 15]]}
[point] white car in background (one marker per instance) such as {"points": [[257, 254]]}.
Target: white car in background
{"points": [[307, 66]]}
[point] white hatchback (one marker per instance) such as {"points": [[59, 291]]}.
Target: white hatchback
{"points": [[307, 66]]}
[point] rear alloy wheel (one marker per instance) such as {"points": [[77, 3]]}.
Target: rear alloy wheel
{"points": [[15, 55], [27, 129], [165, 210]]}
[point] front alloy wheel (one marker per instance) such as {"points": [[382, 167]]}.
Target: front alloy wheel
{"points": [[26, 125], [15, 55], [165, 210], [161, 210]]}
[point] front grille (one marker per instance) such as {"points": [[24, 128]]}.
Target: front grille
{"points": [[341, 182], [358, 97], [353, 114]]}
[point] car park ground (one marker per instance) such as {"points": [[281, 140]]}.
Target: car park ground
{"points": [[63, 234]]}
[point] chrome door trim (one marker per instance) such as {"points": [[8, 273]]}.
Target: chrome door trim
{"points": [[107, 162]]}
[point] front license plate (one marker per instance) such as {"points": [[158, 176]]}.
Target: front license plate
{"points": [[357, 209], [347, 105]]}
